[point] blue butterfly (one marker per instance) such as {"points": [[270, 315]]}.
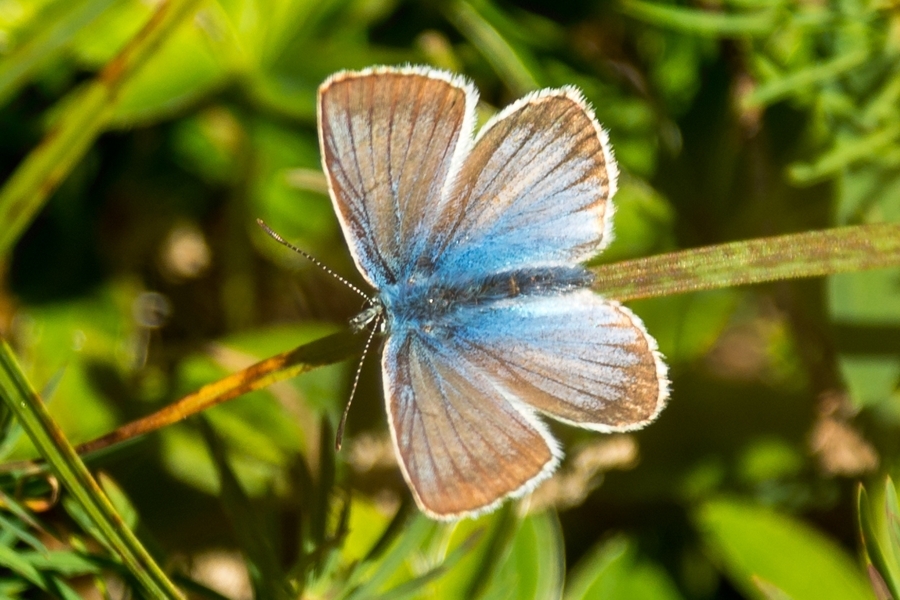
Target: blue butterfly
{"points": [[475, 247]]}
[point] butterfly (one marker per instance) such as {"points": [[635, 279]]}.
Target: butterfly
{"points": [[475, 246]]}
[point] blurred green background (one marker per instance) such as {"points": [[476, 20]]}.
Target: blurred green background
{"points": [[144, 276]]}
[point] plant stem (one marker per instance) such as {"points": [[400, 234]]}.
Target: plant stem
{"points": [[810, 254]]}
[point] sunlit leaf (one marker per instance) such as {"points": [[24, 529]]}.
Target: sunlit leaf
{"points": [[614, 570], [751, 542]]}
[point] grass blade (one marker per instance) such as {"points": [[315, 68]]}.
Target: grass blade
{"points": [[701, 22], [413, 587], [325, 351], [417, 531], [506, 60], [56, 30], [28, 408], [869, 533], [810, 254], [83, 119]]}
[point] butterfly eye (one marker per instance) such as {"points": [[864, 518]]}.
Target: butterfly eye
{"points": [[362, 320]]}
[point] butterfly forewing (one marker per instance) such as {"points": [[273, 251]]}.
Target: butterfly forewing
{"points": [[534, 190], [388, 140]]}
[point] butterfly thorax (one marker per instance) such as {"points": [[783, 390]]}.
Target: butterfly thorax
{"points": [[432, 304]]}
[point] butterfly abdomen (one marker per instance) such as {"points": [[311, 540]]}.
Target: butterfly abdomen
{"points": [[531, 282], [432, 307]]}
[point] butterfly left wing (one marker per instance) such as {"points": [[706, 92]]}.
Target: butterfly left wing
{"points": [[389, 138], [462, 442]]}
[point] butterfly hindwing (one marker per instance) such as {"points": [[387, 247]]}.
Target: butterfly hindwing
{"points": [[574, 357], [462, 409], [462, 446]]}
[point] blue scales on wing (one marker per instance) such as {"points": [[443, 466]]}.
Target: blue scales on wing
{"points": [[534, 191], [574, 357]]}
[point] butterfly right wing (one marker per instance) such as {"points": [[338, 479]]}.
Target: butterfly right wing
{"points": [[461, 400], [575, 357], [389, 138], [463, 445], [535, 190]]}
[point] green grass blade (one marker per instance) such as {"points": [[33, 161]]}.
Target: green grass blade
{"points": [[249, 529], [68, 563], [892, 526], [414, 587], [28, 408], [410, 541], [198, 590], [700, 21], [84, 117], [616, 569], [18, 564], [62, 590], [870, 539], [845, 154], [778, 89], [507, 523], [67, 19], [322, 495], [21, 533], [10, 430], [892, 509], [509, 65], [8, 503], [391, 533], [755, 544], [324, 351], [770, 591], [811, 254]]}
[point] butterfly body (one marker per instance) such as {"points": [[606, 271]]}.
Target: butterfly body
{"points": [[475, 246], [438, 305]]}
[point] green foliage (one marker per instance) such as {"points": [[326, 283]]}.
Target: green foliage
{"points": [[880, 532], [139, 141], [807, 565], [614, 570]]}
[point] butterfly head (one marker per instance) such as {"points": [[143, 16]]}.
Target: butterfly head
{"points": [[372, 314]]}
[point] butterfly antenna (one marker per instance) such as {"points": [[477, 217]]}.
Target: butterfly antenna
{"points": [[311, 259], [340, 431]]}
